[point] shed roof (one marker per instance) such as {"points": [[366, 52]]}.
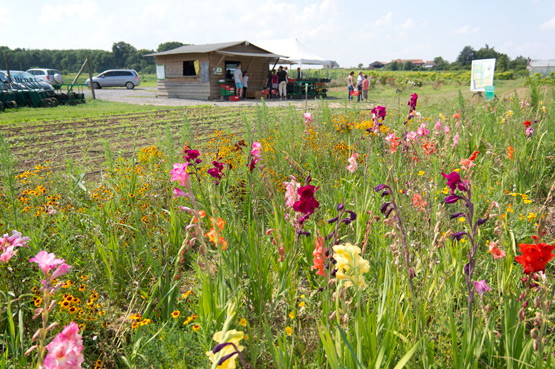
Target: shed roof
{"points": [[207, 48]]}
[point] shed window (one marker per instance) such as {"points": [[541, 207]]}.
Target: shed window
{"points": [[190, 67]]}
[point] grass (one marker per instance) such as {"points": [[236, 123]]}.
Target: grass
{"points": [[91, 108]]}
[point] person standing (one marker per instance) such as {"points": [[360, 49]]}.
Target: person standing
{"points": [[282, 83], [238, 77], [245, 83], [274, 82], [365, 86], [268, 83], [350, 85], [359, 86], [299, 74]]}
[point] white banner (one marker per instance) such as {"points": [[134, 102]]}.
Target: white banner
{"points": [[482, 74]]}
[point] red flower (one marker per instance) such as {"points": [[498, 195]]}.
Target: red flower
{"points": [[527, 124], [307, 203], [473, 156], [534, 257]]}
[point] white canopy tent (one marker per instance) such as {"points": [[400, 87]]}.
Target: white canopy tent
{"points": [[296, 53]]}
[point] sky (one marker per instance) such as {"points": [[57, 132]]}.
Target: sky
{"points": [[348, 31]]}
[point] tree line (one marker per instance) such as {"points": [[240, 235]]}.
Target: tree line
{"points": [[464, 61], [123, 55]]}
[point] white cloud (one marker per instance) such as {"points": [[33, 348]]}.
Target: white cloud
{"points": [[409, 23], [76, 11], [465, 30], [384, 21], [549, 25]]}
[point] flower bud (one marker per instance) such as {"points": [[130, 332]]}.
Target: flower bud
{"points": [[537, 302], [525, 304], [534, 333]]}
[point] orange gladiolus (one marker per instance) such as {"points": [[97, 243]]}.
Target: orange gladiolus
{"points": [[510, 152]]}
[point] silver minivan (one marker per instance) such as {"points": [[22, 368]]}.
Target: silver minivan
{"points": [[116, 78]]}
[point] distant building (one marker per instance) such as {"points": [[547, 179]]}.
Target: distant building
{"points": [[415, 62], [543, 67], [377, 65]]}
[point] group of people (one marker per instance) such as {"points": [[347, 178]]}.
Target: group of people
{"points": [[362, 86], [278, 81]]}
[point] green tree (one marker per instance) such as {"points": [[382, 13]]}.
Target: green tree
{"points": [[394, 65], [123, 54], [502, 63], [466, 56], [408, 66], [440, 63], [170, 45]]}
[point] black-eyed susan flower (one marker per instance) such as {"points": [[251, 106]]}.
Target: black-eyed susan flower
{"points": [[175, 314], [243, 322], [289, 330], [82, 288], [196, 327]]}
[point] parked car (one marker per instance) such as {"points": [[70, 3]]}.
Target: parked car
{"points": [[24, 80], [51, 76], [116, 78]]}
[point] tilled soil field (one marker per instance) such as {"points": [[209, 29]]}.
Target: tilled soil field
{"points": [[86, 142]]}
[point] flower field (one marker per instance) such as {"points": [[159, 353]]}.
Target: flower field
{"points": [[409, 235]]}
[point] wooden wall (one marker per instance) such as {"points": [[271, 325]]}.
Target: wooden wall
{"points": [[176, 85]]}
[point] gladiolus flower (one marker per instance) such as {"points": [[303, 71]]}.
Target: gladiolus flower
{"points": [[46, 261], [178, 193], [350, 265], [291, 189], [510, 152], [527, 124], [306, 203], [352, 167], [393, 141], [481, 287], [456, 139], [497, 253], [411, 136], [412, 102], [529, 131], [15, 240], [307, 117], [446, 129], [418, 202], [319, 256], [437, 127], [453, 181], [534, 257], [179, 173], [422, 130], [379, 112], [224, 348], [456, 116], [65, 351]]}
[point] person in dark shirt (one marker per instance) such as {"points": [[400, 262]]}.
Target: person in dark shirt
{"points": [[299, 74], [268, 83], [282, 83]]}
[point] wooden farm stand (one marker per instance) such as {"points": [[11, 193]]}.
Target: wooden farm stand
{"points": [[195, 71]]}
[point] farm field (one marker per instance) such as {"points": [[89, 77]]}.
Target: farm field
{"points": [[414, 231]]}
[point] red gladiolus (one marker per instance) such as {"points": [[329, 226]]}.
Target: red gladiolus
{"points": [[534, 257], [527, 124], [307, 203]]}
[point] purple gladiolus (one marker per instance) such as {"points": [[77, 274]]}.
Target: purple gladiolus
{"points": [[379, 112], [412, 102], [458, 235], [481, 287], [452, 199], [453, 180]]}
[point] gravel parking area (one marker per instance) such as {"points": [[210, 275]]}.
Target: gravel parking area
{"points": [[149, 96]]}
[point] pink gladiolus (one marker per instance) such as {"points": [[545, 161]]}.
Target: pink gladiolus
{"points": [[179, 173], [7, 254], [291, 192], [65, 351], [437, 127], [529, 131], [495, 251], [46, 261], [481, 287], [446, 129], [456, 139], [307, 117], [14, 240], [411, 136], [60, 271], [256, 149], [352, 167], [178, 193], [422, 130]]}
